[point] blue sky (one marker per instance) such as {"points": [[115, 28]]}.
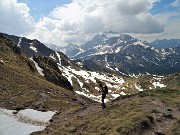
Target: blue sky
{"points": [[40, 8], [77, 21], [164, 6]]}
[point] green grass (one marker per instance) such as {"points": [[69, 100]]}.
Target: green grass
{"points": [[113, 120], [26, 89], [169, 97], [123, 116], [175, 129], [22, 87]]}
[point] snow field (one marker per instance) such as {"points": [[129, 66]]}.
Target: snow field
{"points": [[24, 122]]}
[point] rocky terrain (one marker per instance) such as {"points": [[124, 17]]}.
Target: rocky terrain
{"points": [[136, 104]]}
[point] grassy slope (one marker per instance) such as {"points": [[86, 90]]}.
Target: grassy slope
{"points": [[136, 114], [21, 85]]}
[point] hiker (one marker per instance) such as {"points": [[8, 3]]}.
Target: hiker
{"points": [[104, 91]]}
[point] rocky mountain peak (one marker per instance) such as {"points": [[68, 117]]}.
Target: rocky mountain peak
{"points": [[107, 42], [30, 47]]}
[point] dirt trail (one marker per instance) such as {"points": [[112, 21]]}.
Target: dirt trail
{"points": [[163, 121], [163, 118], [78, 114]]}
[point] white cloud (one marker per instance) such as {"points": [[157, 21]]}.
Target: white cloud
{"points": [[77, 21], [15, 17], [176, 3], [171, 23]]}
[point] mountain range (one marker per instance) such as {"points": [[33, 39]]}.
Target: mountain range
{"points": [[102, 59], [165, 43], [112, 52], [49, 80], [125, 55]]}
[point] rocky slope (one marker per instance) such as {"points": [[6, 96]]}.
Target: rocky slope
{"points": [[113, 52], [23, 87], [30, 47], [150, 112], [146, 104], [124, 55], [60, 70]]}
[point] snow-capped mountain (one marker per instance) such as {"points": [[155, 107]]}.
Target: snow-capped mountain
{"points": [[86, 83], [70, 50], [125, 55], [62, 71], [112, 52], [23, 88], [30, 47], [139, 59], [108, 42], [56, 47], [164, 43]]}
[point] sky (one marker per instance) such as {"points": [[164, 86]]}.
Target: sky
{"points": [[76, 21]]}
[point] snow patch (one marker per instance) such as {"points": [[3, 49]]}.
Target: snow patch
{"points": [[128, 57], [91, 96], [59, 58], [140, 43], [122, 93], [107, 64], [52, 56], [158, 84], [115, 95], [19, 41], [40, 70], [33, 48], [1, 61], [24, 122], [118, 49], [138, 87], [116, 69], [80, 64]]}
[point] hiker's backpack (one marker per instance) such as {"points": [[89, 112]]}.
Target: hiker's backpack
{"points": [[106, 89]]}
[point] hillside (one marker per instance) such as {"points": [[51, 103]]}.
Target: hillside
{"points": [[112, 52], [143, 104], [150, 112], [61, 70], [30, 47], [23, 87]]}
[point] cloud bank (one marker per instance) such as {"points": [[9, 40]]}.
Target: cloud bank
{"points": [[15, 18], [176, 3], [79, 20]]}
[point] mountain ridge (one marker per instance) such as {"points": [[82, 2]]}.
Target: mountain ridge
{"points": [[30, 47], [123, 54], [144, 104], [165, 43]]}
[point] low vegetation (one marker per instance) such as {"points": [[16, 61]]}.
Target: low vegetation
{"points": [[21, 86], [133, 115], [144, 113]]}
